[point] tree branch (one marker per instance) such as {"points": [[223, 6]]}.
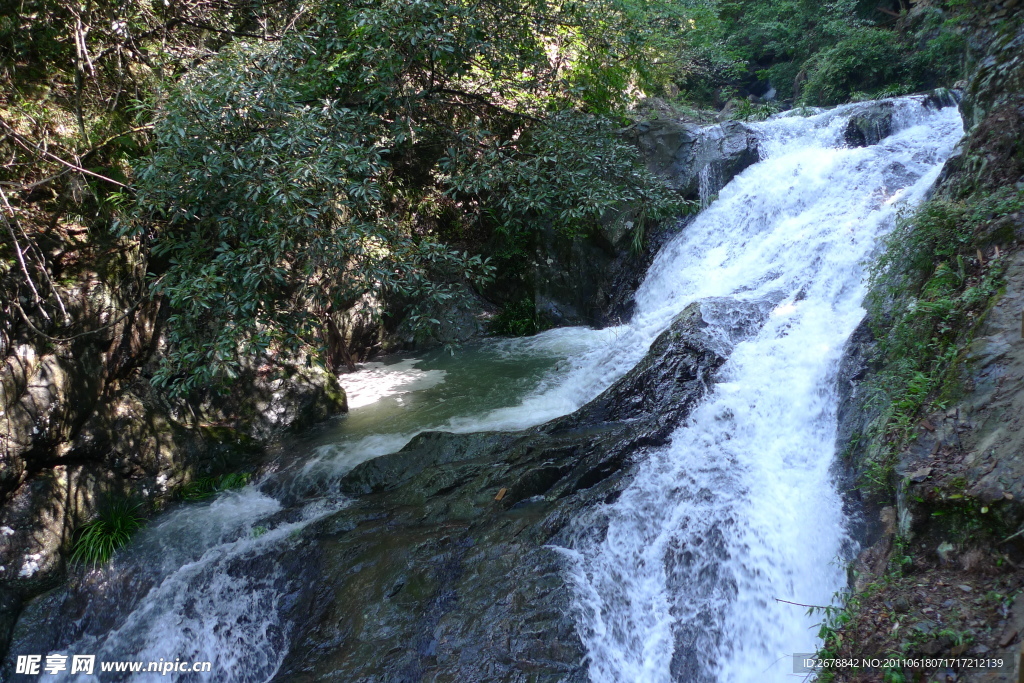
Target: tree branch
{"points": [[29, 146], [21, 257], [486, 102]]}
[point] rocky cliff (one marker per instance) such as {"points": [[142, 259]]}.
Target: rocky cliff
{"points": [[937, 450], [81, 425]]}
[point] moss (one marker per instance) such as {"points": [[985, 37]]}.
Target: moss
{"points": [[336, 395], [929, 295], [204, 487], [228, 436]]}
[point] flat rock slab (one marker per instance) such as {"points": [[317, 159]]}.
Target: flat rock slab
{"points": [[446, 566]]}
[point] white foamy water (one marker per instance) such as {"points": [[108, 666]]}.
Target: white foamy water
{"points": [[741, 507], [201, 585]]}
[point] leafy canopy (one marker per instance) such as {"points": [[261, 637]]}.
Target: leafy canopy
{"points": [[290, 179], [825, 53]]}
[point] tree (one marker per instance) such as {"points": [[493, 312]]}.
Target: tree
{"points": [[289, 179]]}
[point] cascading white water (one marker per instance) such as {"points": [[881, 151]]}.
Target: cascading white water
{"points": [[740, 508], [195, 587]]}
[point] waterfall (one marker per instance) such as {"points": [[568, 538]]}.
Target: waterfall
{"points": [[680, 581], [676, 579]]}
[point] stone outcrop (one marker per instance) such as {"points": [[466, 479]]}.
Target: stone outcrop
{"points": [[591, 280], [453, 535], [982, 422], [870, 126], [694, 160], [443, 566], [80, 424]]}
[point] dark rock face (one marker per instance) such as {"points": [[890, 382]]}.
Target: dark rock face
{"points": [[853, 413], [874, 122], [870, 126], [461, 318], [82, 423], [591, 280], [442, 568], [689, 156]]}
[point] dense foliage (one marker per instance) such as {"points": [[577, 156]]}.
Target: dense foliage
{"points": [[79, 83], [272, 163], [290, 180], [827, 53], [930, 289]]}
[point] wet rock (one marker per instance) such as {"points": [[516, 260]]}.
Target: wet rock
{"points": [[10, 607], [460, 318], [591, 280], [455, 537], [871, 125], [943, 97], [697, 161]]}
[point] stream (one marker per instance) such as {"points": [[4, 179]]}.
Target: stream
{"points": [[741, 508]]}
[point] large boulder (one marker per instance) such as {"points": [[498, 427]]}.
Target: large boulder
{"points": [[445, 559], [695, 160], [451, 537], [871, 125], [442, 567]]}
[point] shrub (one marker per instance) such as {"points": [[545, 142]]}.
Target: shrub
{"points": [[517, 319], [865, 61], [937, 57], [289, 181]]}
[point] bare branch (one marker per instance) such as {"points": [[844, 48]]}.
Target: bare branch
{"points": [[29, 146], [20, 255]]}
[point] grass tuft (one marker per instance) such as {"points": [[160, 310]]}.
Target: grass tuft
{"points": [[111, 530], [204, 487]]}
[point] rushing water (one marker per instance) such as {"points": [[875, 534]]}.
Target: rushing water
{"points": [[195, 586], [739, 509]]}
